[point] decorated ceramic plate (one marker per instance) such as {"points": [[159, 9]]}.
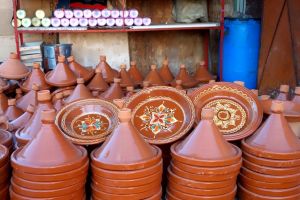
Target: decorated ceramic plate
{"points": [[238, 112], [161, 114], [87, 121]]}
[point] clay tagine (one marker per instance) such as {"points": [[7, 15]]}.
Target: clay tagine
{"points": [[21, 121], [125, 78], [59, 103], [129, 91], [13, 112], [80, 92], [154, 78], [146, 84], [135, 74], [165, 72], [62, 75], [202, 74], [36, 76], [179, 85], [183, 75], [19, 93], [13, 68], [119, 103], [5, 170], [296, 98], [4, 84], [3, 101], [29, 98], [108, 72], [113, 92], [98, 83], [79, 70], [283, 93]]}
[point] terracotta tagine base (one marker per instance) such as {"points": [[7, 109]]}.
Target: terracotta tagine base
{"points": [[4, 172]]}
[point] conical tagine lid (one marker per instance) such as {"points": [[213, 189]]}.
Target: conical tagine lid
{"points": [[154, 78], [98, 83], [21, 121], [113, 92], [36, 77], [62, 75], [29, 98], [165, 72], [296, 98], [13, 68], [283, 93], [49, 148], [80, 92], [59, 103], [125, 78], [274, 136], [19, 93], [3, 101], [135, 74], [202, 75], [125, 145], [13, 112], [108, 72], [206, 142], [79, 70], [183, 75]]}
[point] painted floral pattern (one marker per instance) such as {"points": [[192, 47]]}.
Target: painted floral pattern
{"points": [[90, 125]]}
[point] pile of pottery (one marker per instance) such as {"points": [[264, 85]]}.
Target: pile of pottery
{"points": [[49, 166], [4, 172], [6, 138], [125, 166], [271, 160], [204, 165]]}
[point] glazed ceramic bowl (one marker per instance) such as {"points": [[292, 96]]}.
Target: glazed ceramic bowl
{"points": [[134, 166], [125, 175]]}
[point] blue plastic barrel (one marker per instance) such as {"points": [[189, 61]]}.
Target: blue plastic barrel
{"points": [[241, 51]]}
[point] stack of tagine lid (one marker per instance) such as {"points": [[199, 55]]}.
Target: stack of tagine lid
{"points": [[204, 165], [4, 172], [271, 160], [49, 166], [125, 166]]}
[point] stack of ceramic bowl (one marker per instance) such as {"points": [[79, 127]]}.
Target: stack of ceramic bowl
{"points": [[4, 172], [49, 166], [125, 166], [271, 160], [204, 165]]}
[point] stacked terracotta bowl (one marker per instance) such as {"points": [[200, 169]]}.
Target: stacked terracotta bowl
{"points": [[125, 166], [4, 172], [204, 165], [271, 160], [49, 166]]}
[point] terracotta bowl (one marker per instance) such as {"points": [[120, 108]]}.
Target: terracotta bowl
{"points": [[40, 170], [208, 170], [81, 171], [127, 183], [270, 178], [170, 196], [271, 170], [88, 121], [4, 156], [197, 184], [45, 193], [275, 185], [125, 175], [199, 177], [201, 192], [134, 166], [271, 163], [206, 163], [6, 138], [4, 169], [245, 194], [4, 178], [256, 151], [157, 196], [229, 196], [4, 192]]}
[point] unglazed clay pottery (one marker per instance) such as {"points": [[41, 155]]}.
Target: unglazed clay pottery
{"points": [[154, 78], [79, 70], [21, 121], [66, 91], [87, 121], [283, 93], [29, 99], [135, 74], [3, 101], [80, 92], [4, 84], [35, 77], [161, 114], [108, 72], [6, 138], [284, 145], [129, 91], [62, 75], [146, 84], [165, 72], [98, 83], [183, 75], [296, 98], [12, 112], [202, 74], [59, 103], [125, 77], [19, 93], [179, 85], [119, 103], [34, 157], [13, 68], [4, 156], [238, 112], [113, 92]]}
